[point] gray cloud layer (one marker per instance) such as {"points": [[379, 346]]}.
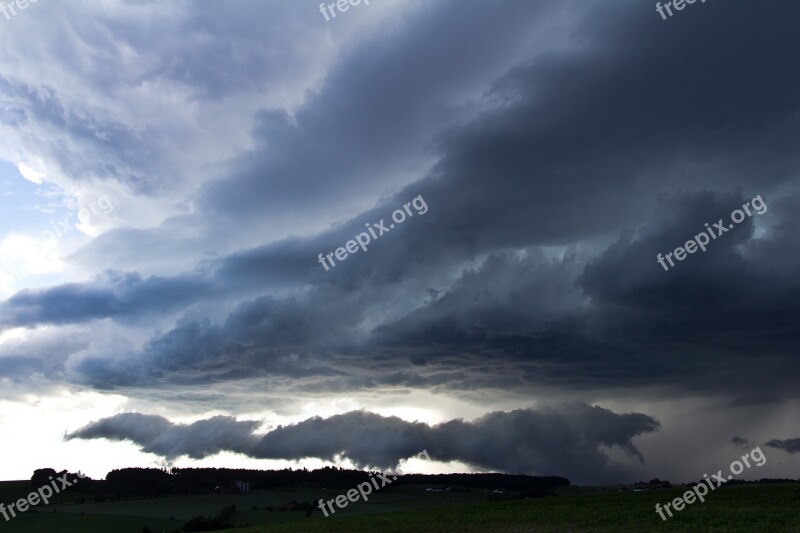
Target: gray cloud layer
{"points": [[559, 146], [524, 174], [567, 440], [791, 446]]}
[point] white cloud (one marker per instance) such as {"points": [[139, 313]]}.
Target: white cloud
{"points": [[30, 174]]}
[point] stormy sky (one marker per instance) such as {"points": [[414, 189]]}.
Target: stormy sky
{"points": [[180, 182]]}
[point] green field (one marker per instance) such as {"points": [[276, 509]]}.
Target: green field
{"points": [[759, 508]]}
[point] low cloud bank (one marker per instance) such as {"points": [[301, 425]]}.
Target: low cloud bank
{"points": [[564, 440], [791, 446]]}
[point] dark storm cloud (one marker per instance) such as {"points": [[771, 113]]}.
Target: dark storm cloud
{"points": [[547, 441], [764, 398], [365, 120], [363, 129], [641, 326], [791, 446], [741, 442], [553, 183], [521, 441], [159, 436], [548, 205], [112, 295], [20, 367], [131, 426], [37, 363]]}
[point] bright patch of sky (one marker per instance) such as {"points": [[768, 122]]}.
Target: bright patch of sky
{"points": [[37, 221]]}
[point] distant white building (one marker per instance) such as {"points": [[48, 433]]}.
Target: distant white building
{"points": [[242, 486]]}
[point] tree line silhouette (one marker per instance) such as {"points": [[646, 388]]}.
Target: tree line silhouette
{"points": [[150, 482]]}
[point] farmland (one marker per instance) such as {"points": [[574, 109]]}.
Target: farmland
{"points": [[769, 507]]}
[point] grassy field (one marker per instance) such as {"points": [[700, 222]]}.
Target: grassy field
{"points": [[763, 508], [77, 523], [746, 508]]}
